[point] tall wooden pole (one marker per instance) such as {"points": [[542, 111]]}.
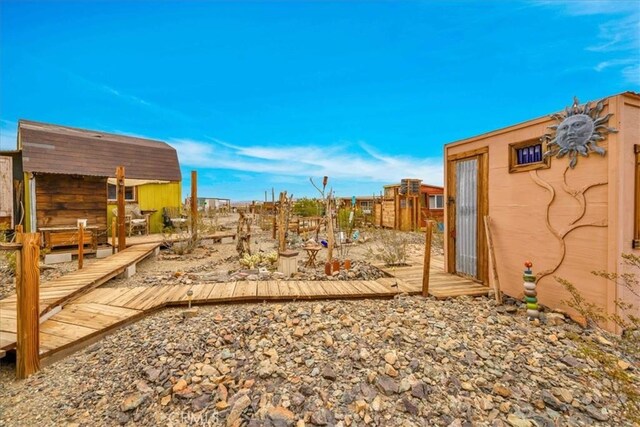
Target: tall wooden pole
{"points": [[330, 236], [194, 206], [28, 306], [80, 246], [122, 243], [282, 241], [427, 259]]}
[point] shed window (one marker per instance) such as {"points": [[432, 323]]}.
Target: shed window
{"points": [[366, 206], [527, 155], [436, 201], [129, 193]]}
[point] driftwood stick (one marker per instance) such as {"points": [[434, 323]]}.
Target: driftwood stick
{"points": [[427, 259], [492, 260]]}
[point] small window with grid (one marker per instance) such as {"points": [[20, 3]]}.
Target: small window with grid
{"points": [[527, 155]]}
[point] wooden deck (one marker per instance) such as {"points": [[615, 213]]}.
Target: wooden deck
{"points": [[442, 285], [59, 291], [174, 238]]}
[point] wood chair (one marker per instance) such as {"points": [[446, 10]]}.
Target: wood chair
{"points": [[174, 218], [134, 219]]}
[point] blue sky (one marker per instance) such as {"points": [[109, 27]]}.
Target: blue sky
{"points": [[256, 95]]}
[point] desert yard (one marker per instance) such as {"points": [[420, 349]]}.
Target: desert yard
{"points": [[398, 361]]}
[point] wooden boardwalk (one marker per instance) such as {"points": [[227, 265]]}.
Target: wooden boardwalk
{"points": [[442, 285], [60, 291], [103, 309], [87, 312]]}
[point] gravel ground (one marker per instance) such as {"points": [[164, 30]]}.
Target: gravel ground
{"points": [[401, 362]]}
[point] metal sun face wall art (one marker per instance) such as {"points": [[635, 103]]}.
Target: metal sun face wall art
{"points": [[578, 131]]}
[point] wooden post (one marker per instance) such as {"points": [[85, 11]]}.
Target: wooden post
{"points": [[113, 235], [427, 259], [194, 206], [28, 306], [122, 240], [274, 227], [330, 237], [80, 245], [282, 240], [492, 260]]}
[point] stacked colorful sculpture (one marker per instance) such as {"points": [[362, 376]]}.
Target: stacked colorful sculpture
{"points": [[530, 294]]}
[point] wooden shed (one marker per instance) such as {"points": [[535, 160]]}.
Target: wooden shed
{"points": [[61, 174], [572, 211], [408, 205]]}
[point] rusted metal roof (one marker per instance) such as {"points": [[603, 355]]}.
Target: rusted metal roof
{"points": [[51, 148]]}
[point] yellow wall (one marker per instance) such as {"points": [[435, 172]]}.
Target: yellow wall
{"points": [[154, 196]]}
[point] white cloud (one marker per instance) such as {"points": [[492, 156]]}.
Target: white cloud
{"points": [[340, 161], [618, 34]]}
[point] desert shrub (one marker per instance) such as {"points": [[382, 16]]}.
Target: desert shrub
{"points": [[9, 257], [612, 371], [308, 207], [389, 246]]}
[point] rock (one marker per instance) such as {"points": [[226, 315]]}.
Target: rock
{"points": [[486, 404], [165, 400], [409, 407], [466, 386], [595, 413], [280, 416], [322, 417], [152, 374], [551, 401], [390, 358], [221, 406], [265, 369], [200, 402], [501, 390], [328, 373], [360, 405], [419, 390], [515, 421], [390, 370], [298, 332], [132, 401], [143, 387], [387, 385], [236, 410], [179, 386], [563, 394], [623, 364], [209, 371], [376, 405], [554, 319]]}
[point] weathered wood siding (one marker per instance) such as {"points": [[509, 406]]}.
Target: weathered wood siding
{"points": [[6, 191], [62, 199], [517, 207], [154, 197]]}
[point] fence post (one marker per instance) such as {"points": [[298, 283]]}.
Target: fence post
{"points": [[427, 259], [122, 239], [28, 306], [80, 245], [194, 207]]}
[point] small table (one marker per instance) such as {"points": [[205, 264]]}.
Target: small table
{"points": [[312, 252]]}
